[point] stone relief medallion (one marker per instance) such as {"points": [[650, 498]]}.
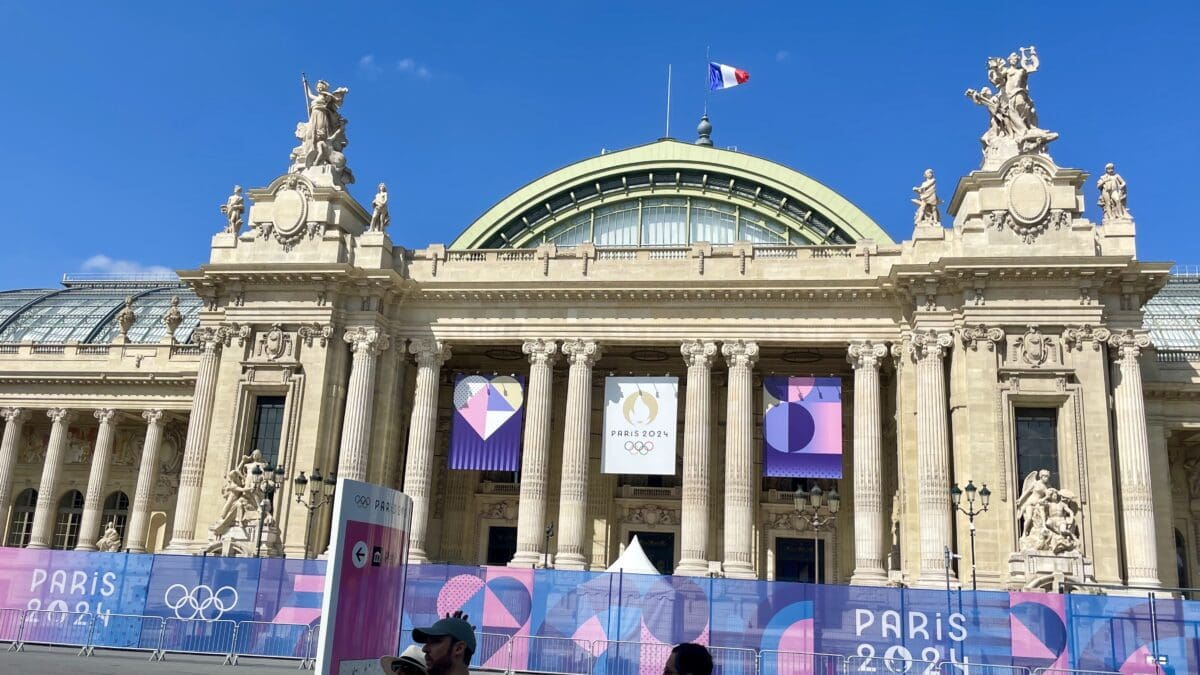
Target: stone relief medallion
{"points": [[1028, 198], [274, 344], [291, 208], [1027, 194], [1034, 346]]}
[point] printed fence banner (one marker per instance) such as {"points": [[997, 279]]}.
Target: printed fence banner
{"points": [[485, 434], [640, 425], [802, 427]]}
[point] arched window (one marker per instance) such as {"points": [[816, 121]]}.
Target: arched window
{"points": [[21, 525], [116, 511], [66, 527]]}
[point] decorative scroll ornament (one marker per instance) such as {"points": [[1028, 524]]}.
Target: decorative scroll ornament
{"points": [[740, 353], [929, 344], [1128, 344], [972, 336], [1074, 338], [274, 344], [585, 352], [699, 353], [363, 339], [1033, 347], [651, 514], [541, 351], [309, 333], [865, 354]]}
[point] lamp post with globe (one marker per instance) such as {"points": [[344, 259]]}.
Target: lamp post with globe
{"points": [[270, 478], [820, 511], [320, 492], [970, 511]]}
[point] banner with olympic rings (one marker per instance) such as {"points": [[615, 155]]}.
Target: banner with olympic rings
{"points": [[640, 425]]}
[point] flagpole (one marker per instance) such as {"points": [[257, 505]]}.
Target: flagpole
{"points": [[668, 134], [707, 61]]}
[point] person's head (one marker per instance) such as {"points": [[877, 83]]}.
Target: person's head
{"points": [[322, 85], [1044, 474], [410, 662], [1109, 168], [1013, 59], [382, 187], [448, 645], [689, 659], [928, 174]]}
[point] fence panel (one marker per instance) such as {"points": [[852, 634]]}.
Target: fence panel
{"points": [[10, 625], [275, 640], [734, 661], [893, 660], [1068, 671], [197, 636], [127, 631], [771, 662], [52, 627], [955, 668], [491, 652], [613, 657], [563, 656]]}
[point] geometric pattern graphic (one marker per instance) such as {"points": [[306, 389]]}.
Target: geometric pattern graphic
{"points": [[485, 433], [802, 427]]}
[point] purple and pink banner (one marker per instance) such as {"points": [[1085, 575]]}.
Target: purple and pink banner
{"points": [[485, 434], [802, 427]]}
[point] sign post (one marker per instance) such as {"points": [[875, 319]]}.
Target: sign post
{"points": [[364, 582]]}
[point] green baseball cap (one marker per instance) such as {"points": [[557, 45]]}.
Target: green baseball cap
{"points": [[456, 628]]}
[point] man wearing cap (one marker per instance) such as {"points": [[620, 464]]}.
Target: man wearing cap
{"points": [[449, 644], [411, 662], [689, 659]]}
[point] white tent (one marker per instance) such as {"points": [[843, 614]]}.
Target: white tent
{"points": [[633, 560]]}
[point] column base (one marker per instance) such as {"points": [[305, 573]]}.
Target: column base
{"points": [[417, 556], [179, 547], [86, 547], [528, 559], [692, 567], [570, 561], [934, 581], [869, 577], [37, 546], [1144, 581], [738, 570]]}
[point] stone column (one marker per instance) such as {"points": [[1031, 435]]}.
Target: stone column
{"points": [[14, 419], [93, 504], [418, 467], [535, 455], [697, 428], [868, 462], [1133, 459], [740, 479], [577, 437], [47, 503], [139, 519], [195, 447], [928, 349], [354, 453]]}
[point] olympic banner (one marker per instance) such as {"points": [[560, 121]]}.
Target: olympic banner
{"points": [[802, 427], [640, 425], [364, 583], [485, 434]]}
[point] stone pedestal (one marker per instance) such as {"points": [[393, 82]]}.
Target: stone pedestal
{"points": [[1042, 571]]}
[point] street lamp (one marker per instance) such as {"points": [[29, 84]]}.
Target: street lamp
{"points": [[546, 546], [270, 479], [808, 505], [984, 496], [320, 492]]}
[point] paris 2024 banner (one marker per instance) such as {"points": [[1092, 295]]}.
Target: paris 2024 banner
{"points": [[1030, 629]]}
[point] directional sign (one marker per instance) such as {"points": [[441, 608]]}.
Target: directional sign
{"points": [[364, 582]]}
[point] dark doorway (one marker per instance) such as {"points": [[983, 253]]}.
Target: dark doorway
{"points": [[795, 560], [502, 545], [659, 548]]}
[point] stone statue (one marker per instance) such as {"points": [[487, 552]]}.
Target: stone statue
{"points": [[927, 202], [379, 214], [1113, 194], [1033, 496], [172, 318], [111, 541], [1049, 517], [233, 208], [242, 492], [126, 317], [1013, 126], [323, 135], [1062, 531]]}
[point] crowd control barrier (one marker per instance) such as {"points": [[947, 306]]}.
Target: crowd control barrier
{"points": [[772, 662]]}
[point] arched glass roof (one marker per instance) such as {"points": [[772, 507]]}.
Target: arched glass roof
{"points": [[1173, 315], [86, 311]]}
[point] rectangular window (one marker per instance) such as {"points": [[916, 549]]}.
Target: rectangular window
{"points": [[268, 427], [659, 548], [1037, 442], [796, 559], [502, 545]]}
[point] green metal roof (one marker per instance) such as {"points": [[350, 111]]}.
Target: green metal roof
{"points": [[799, 209]]}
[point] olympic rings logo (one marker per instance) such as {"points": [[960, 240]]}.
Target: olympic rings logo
{"points": [[201, 602], [639, 447]]}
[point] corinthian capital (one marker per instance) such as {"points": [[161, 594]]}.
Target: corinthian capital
{"points": [[59, 415], [1074, 338], [210, 339], [929, 344], [152, 417], [105, 415], [429, 352], [865, 354], [540, 352], [972, 336], [582, 352], [14, 415], [1127, 345], [698, 353], [361, 338], [740, 353]]}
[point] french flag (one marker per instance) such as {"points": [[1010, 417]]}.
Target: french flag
{"points": [[721, 76]]}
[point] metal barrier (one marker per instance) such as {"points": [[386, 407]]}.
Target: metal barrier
{"points": [[561, 656], [772, 662], [613, 657], [314, 637], [271, 640], [197, 636], [956, 668], [893, 660], [492, 652], [53, 627], [10, 626], [734, 660], [127, 631], [1068, 671]]}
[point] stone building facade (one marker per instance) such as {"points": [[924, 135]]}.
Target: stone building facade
{"points": [[1018, 337]]}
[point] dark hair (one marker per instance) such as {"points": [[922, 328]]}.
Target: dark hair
{"points": [[692, 659], [467, 651]]}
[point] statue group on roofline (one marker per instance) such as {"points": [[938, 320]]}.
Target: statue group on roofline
{"points": [[1013, 127], [323, 135], [1047, 517]]}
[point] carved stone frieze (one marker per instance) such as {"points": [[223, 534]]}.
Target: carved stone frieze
{"points": [[503, 510], [650, 514]]}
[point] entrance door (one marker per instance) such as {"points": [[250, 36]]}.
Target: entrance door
{"points": [[659, 548], [502, 545], [797, 559]]}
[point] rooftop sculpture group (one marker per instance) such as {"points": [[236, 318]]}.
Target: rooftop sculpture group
{"points": [[323, 135], [1013, 127]]}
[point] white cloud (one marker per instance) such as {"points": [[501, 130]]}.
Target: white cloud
{"points": [[409, 66], [368, 67], [782, 55], [102, 264]]}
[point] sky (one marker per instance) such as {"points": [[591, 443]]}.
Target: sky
{"points": [[129, 123]]}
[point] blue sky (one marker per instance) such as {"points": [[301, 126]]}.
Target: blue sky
{"points": [[128, 123]]}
